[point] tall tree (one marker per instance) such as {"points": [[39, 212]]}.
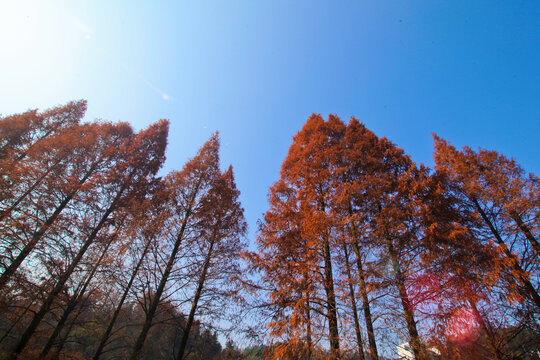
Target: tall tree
{"points": [[301, 203], [361, 175], [78, 154], [147, 216], [20, 133], [309, 168], [221, 224], [187, 188], [506, 201], [288, 263], [142, 156]]}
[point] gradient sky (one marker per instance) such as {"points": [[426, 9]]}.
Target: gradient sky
{"points": [[255, 70]]}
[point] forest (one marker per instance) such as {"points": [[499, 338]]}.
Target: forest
{"points": [[361, 254]]}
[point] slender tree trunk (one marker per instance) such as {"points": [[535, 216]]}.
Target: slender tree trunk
{"points": [[525, 229], [515, 264], [330, 292], [22, 155], [74, 301], [10, 270], [407, 306], [489, 339], [63, 339], [365, 304], [308, 327], [330, 300], [71, 305], [198, 292], [19, 317], [364, 293], [159, 291], [353, 303], [110, 327], [7, 212], [23, 341]]}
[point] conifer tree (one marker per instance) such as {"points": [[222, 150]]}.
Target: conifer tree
{"points": [[78, 154], [187, 188], [221, 224], [496, 190], [142, 157]]}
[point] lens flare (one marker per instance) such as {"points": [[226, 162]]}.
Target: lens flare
{"points": [[463, 327]]}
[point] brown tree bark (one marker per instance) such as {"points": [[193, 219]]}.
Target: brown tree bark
{"points": [[525, 229], [330, 300], [353, 304], [10, 270], [416, 344], [364, 294], [107, 333], [195, 302], [515, 264], [38, 316], [308, 327]]}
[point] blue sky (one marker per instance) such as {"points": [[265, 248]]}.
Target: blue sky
{"points": [[255, 70]]}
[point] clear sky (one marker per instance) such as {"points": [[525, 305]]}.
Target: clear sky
{"points": [[255, 70]]}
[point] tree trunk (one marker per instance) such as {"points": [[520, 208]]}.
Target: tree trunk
{"points": [[489, 339], [71, 305], [525, 229], [19, 317], [364, 293], [198, 292], [159, 291], [23, 341], [330, 300], [63, 339], [161, 287], [515, 264], [353, 303], [407, 306], [10, 270], [330, 292], [308, 327], [74, 301], [110, 327]]}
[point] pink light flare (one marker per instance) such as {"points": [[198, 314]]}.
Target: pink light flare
{"points": [[464, 326]]}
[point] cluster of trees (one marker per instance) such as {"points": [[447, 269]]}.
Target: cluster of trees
{"points": [[362, 250], [102, 258]]}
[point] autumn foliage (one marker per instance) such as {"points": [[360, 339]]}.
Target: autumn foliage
{"points": [[361, 252], [362, 249], [100, 251]]}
